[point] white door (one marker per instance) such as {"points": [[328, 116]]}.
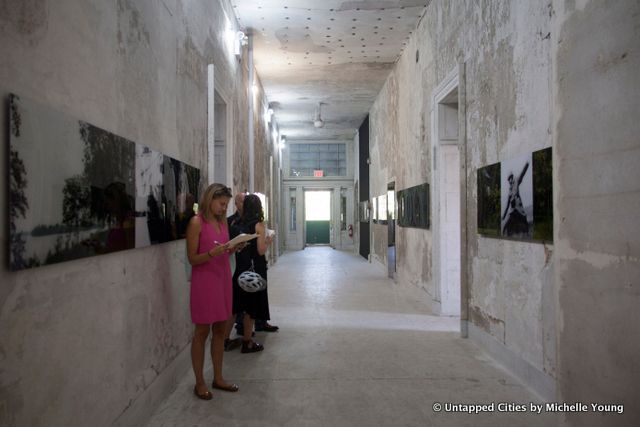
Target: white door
{"points": [[449, 177]]}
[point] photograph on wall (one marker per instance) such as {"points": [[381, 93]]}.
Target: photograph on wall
{"points": [[489, 200], [413, 206], [516, 198], [363, 211], [71, 187], [382, 209], [76, 190], [542, 195], [150, 219]]}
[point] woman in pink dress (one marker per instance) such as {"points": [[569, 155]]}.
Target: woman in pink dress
{"points": [[211, 289]]}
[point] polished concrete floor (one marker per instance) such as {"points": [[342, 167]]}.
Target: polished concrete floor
{"points": [[353, 350]]}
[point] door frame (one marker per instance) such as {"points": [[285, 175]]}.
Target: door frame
{"points": [[332, 217], [450, 83]]}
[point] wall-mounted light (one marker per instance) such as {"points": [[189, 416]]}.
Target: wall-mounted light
{"points": [[240, 40], [267, 115]]}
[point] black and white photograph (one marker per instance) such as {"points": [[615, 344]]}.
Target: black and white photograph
{"points": [[413, 206], [542, 195], [149, 182], [105, 194], [489, 200], [516, 199], [69, 206]]}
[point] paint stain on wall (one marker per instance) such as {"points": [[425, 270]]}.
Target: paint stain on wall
{"points": [[131, 29], [486, 322], [28, 18]]}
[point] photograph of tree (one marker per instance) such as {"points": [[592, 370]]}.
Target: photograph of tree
{"points": [[413, 206], [77, 190], [489, 200], [542, 195]]}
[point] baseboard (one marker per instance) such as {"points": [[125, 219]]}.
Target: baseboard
{"points": [[141, 409], [540, 383]]}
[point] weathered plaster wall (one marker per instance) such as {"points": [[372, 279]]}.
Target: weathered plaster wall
{"points": [[84, 342], [597, 154], [505, 48]]}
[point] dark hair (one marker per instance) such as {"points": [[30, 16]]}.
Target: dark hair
{"points": [[251, 209]]}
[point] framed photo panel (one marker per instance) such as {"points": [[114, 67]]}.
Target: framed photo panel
{"points": [[76, 190]]}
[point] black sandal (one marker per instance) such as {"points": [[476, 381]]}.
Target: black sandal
{"points": [[251, 347]]}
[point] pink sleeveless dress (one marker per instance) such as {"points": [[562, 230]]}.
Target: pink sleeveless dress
{"points": [[211, 288]]}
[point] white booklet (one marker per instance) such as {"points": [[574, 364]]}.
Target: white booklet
{"points": [[241, 238], [270, 232]]}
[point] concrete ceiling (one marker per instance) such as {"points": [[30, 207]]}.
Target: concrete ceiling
{"points": [[335, 52]]}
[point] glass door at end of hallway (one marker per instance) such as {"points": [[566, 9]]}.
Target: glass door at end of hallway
{"points": [[317, 218]]}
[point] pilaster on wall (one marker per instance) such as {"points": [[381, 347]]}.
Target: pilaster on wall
{"points": [[597, 236]]}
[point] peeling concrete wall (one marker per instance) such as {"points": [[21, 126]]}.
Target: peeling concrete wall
{"points": [[99, 341], [597, 158], [505, 49]]}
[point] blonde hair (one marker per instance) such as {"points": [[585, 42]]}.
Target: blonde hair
{"points": [[213, 191]]}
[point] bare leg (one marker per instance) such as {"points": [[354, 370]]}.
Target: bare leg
{"points": [[249, 345], [248, 327], [217, 352], [229, 326], [198, 341]]}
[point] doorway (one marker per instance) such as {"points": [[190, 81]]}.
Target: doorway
{"points": [[391, 229], [317, 217], [363, 194], [448, 183]]}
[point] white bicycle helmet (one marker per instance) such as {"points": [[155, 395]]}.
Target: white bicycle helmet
{"points": [[250, 281]]}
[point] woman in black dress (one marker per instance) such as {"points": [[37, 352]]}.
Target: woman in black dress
{"points": [[255, 305]]}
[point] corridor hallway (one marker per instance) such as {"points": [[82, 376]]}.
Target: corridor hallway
{"points": [[351, 351]]}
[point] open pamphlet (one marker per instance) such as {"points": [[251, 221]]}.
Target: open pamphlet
{"points": [[241, 238], [270, 232]]}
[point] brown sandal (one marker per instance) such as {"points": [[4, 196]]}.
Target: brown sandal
{"points": [[204, 396], [229, 387]]}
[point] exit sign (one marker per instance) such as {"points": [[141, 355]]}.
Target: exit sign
{"points": [[318, 174]]}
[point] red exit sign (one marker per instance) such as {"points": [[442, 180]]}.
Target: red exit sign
{"points": [[318, 174]]}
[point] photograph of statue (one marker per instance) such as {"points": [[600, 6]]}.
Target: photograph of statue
{"points": [[517, 198]]}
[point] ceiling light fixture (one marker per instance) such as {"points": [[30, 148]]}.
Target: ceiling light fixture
{"points": [[317, 120]]}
